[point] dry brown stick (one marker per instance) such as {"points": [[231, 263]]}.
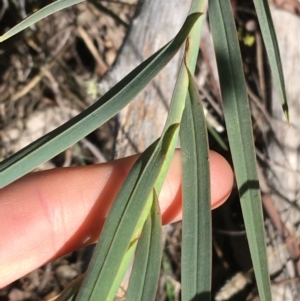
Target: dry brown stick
{"points": [[33, 82], [260, 66], [102, 68]]}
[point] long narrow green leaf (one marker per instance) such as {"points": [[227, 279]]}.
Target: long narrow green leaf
{"points": [[39, 15], [239, 129], [191, 55], [133, 201], [270, 40], [180, 91], [196, 221], [146, 268], [107, 106], [123, 267], [182, 82], [162, 174]]}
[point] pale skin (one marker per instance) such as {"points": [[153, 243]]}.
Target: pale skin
{"points": [[47, 214]]}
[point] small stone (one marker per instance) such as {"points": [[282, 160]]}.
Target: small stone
{"points": [[66, 273]]}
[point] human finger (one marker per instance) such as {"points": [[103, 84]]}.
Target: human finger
{"points": [[47, 214]]}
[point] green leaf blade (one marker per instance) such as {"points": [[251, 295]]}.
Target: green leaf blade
{"points": [[196, 222], [272, 48], [146, 268], [122, 269], [129, 207], [106, 107], [239, 129], [39, 15]]}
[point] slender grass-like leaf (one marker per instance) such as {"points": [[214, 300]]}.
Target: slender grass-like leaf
{"points": [[178, 98], [272, 48], [182, 82], [191, 55], [39, 15], [181, 87], [239, 129], [114, 221], [180, 91], [106, 107], [131, 205], [146, 268], [123, 266], [196, 219]]}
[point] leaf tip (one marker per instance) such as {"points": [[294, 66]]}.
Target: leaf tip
{"points": [[285, 109]]}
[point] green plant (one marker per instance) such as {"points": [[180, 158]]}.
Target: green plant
{"points": [[134, 213]]}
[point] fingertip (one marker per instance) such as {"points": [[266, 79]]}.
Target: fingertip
{"points": [[71, 204], [222, 179]]}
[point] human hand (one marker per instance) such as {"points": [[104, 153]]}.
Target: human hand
{"points": [[47, 214]]}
